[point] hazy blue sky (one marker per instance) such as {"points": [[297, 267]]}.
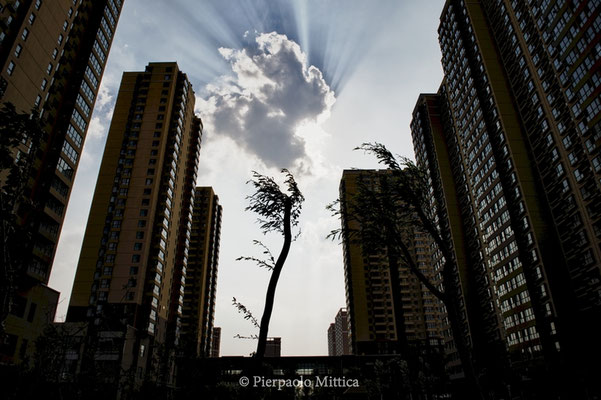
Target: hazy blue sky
{"points": [[279, 83]]}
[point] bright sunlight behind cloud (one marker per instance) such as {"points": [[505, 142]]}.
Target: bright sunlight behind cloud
{"points": [[272, 92]]}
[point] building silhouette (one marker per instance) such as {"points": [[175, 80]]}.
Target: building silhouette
{"points": [[379, 325], [511, 145], [52, 58], [273, 347], [339, 343], [215, 342], [132, 271], [201, 273]]}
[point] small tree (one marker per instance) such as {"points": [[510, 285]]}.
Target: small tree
{"points": [[278, 212], [402, 202]]}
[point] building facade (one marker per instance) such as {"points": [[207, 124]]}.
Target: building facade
{"points": [[130, 279], [384, 316], [511, 145], [216, 342], [273, 347], [201, 273], [52, 58], [339, 343]]}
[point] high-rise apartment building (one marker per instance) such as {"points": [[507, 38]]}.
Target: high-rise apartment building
{"points": [[339, 343], [332, 339], [370, 291], [215, 342], [511, 144], [52, 58], [201, 273], [132, 269], [273, 347]]}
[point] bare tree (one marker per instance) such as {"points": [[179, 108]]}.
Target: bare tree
{"points": [[278, 211], [400, 202]]}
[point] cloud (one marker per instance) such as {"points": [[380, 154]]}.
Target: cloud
{"points": [[270, 95]]}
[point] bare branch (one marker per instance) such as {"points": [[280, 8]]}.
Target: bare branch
{"points": [[261, 263], [252, 337], [247, 313]]}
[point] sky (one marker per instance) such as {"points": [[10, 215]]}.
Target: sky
{"points": [[291, 84]]}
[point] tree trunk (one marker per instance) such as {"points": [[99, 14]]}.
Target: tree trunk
{"points": [[273, 281], [472, 383]]}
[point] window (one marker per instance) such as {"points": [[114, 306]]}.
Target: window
{"points": [[116, 224], [54, 53], [37, 102], [87, 91], [106, 28], [38, 4], [18, 50], [148, 181], [79, 121], [83, 105], [31, 18], [109, 16], [91, 77], [137, 246], [64, 168], [10, 68], [70, 152], [60, 39], [143, 213], [135, 258], [65, 25], [102, 39], [141, 223], [139, 235], [99, 51], [74, 136], [25, 34], [95, 64]]}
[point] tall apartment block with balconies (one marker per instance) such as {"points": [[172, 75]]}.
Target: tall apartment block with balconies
{"points": [[130, 278], [201, 282], [52, 58], [517, 123]]}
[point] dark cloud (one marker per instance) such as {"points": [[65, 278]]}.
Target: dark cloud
{"points": [[271, 93]]}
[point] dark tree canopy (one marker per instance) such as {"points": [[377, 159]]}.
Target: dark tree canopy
{"points": [[20, 135], [400, 201], [269, 201]]}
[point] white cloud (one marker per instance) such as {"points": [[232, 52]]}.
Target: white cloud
{"points": [[271, 94]]}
